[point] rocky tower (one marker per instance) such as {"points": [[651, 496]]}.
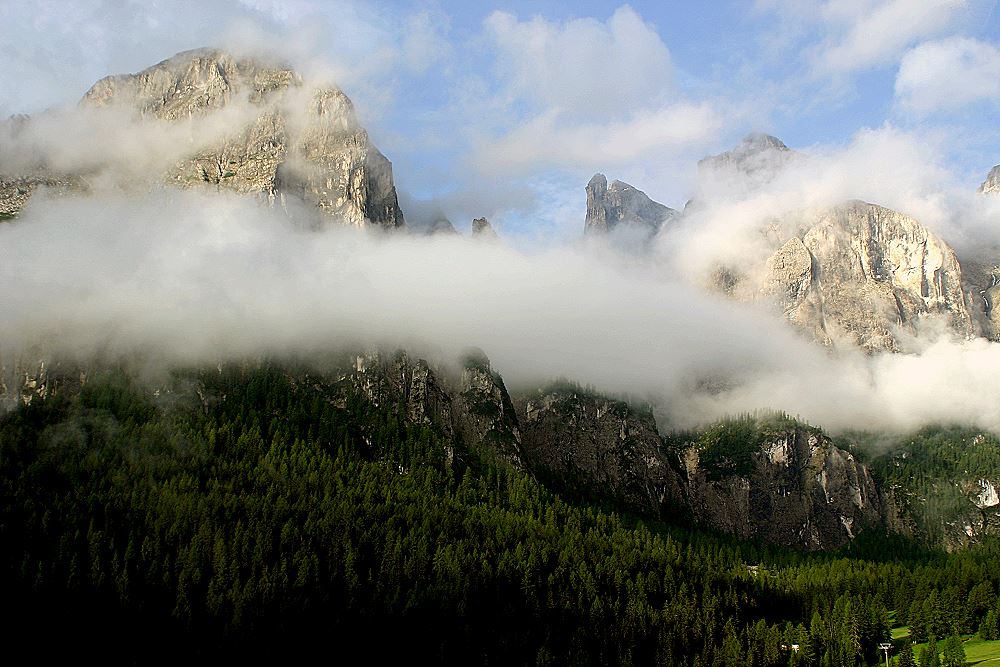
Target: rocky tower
{"points": [[290, 141], [991, 185], [620, 204], [481, 228]]}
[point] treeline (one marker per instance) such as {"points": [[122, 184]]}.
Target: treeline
{"points": [[248, 513]]}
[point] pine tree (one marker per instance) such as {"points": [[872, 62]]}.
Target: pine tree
{"points": [[906, 658], [929, 654], [990, 627], [954, 653]]}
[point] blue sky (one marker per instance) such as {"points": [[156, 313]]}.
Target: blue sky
{"points": [[506, 109]]}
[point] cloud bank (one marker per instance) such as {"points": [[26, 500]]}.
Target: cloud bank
{"points": [[196, 276]]}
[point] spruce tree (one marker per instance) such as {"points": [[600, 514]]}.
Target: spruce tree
{"points": [[906, 658], [954, 653]]}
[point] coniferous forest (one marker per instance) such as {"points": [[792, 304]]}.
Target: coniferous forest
{"points": [[256, 519]]}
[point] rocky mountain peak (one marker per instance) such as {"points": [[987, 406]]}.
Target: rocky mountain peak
{"points": [[991, 185], [192, 82], [481, 228], [863, 275], [758, 156], [621, 204], [280, 138]]}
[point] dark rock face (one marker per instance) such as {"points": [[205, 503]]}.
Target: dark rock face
{"points": [[621, 205], [483, 411], [800, 490], [406, 382], [602, 447], [442, 226], [477, 412]]}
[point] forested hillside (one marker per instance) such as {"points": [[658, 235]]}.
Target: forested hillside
{"points": [[241, 512]]}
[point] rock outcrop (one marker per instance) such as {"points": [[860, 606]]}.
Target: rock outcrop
{"points": [[621, 206], [780, 483], [405, 382], [482, 229], [473, 409], [991, 185], [795, 488], [286, 140], [861, 275], [982, 289], [586, 444], [441, 226], [484, 414]]}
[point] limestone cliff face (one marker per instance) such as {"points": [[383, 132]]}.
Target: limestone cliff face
{"points": [[403, 381], [484, 414], [798, 490], [286, 141], [982, 289], [622, 206], [863, 275], [591, 444], [991, 185], [787, 485]]}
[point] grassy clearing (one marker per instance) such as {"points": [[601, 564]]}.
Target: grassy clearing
{"points": [[977, 651], [982, 652]]}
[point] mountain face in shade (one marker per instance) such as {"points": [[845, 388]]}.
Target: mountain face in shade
{"points": [[621, 206], [279, 140]]}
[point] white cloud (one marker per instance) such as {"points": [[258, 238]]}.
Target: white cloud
{"points": [[584, 95], [948, 74], [875, 33], [192, 276], [551, 139], [583, 67], [853, 35]]}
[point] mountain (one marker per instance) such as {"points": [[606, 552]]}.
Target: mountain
{"points": [[852, 275], [865, 275], [991, 185], [481, 228], [756, 160], [622, 207], [282, 140]]}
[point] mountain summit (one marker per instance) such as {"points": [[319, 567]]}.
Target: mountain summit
{"points": [[620, 204], [260, 130]]}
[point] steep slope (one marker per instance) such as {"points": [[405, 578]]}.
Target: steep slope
{"points": [[771, 479], [991, 185], [875, 274], [779, 482], [280, 139], [589, 445], [942, 484], [860, 275]]}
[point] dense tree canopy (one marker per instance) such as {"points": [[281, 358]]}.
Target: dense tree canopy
{"points": [[244, 512]]}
